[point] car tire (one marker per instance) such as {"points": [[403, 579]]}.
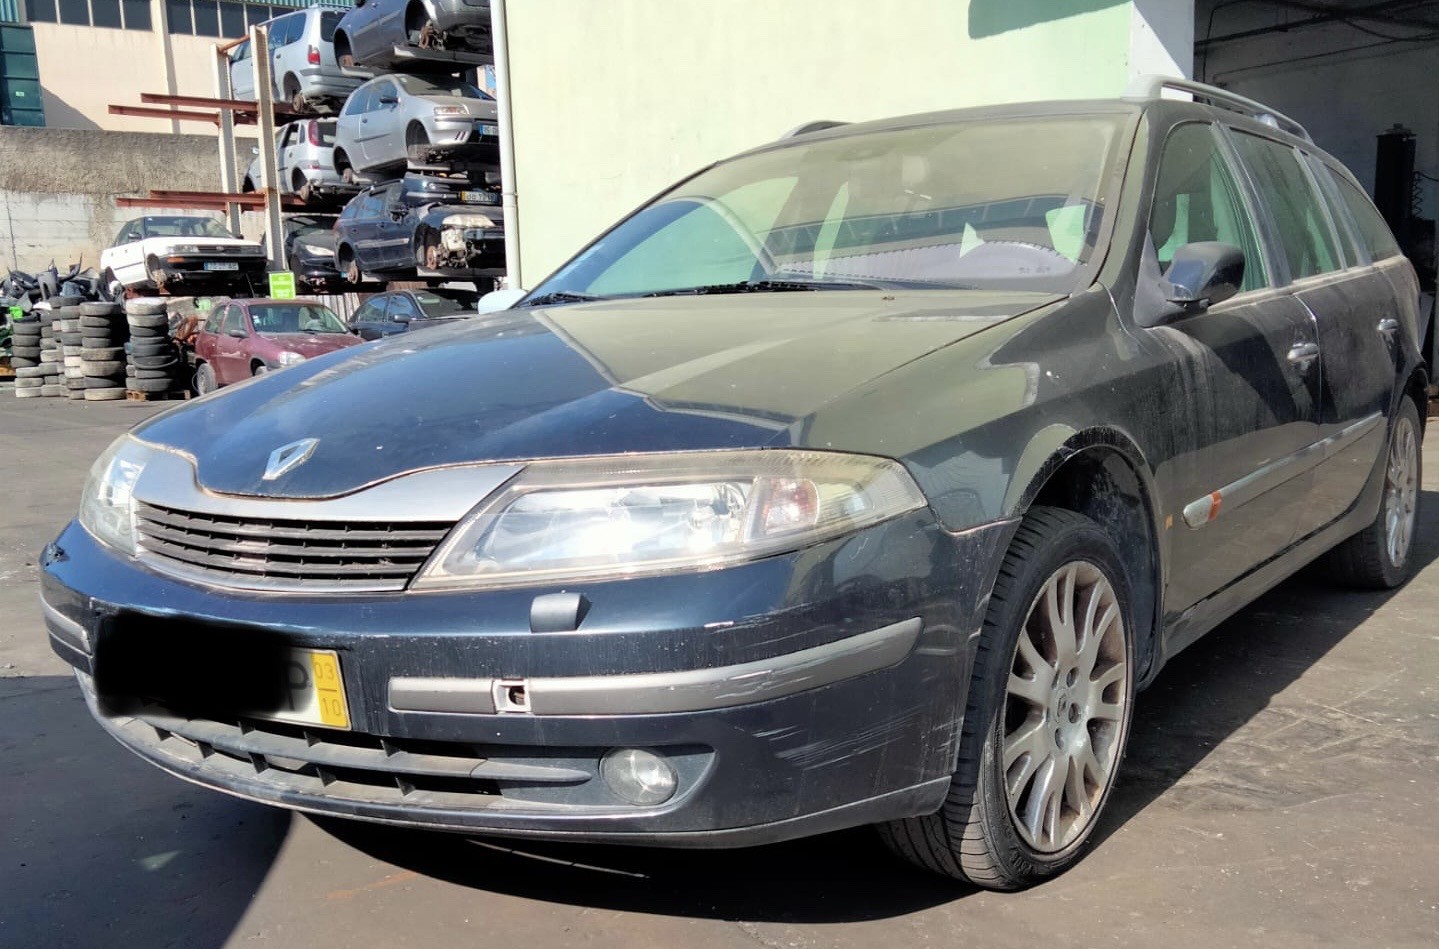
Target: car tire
{"points": [[99, 308], [149, 385], [52, 390], [259, 369], [105, 367], [149, 332], [1008, 828], [105, 395], [205, 381], [148, 321], [163, 361], [353, 276], [145, 307], [102, 353], [1378, 557], [24, 362], [28, 393], [152, 347]]}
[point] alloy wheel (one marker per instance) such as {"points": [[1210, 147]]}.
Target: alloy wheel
{"points": [[1065, 707], [1401, 491]]}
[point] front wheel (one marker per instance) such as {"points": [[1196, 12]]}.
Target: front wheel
{"points": [[1378, 557], [259, 369], [205, 381], [1048, 715]]}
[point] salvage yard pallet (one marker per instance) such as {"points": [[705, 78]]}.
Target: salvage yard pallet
{"points": [[132, 395]]}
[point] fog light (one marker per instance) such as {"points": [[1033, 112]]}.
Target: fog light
{"points": [[638, 776]]}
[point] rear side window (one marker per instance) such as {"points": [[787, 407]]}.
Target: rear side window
{"points": [[1197, 199], [1303, 229], [328, 22], [1373, 231]]}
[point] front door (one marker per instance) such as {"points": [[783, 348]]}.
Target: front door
{"points": [[231, 364], [1252, 366], [369, 319]]}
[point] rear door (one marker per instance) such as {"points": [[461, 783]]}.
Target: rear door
{"points": [[283, 34], [1346, 302], [1252, 362], [395, 230]]}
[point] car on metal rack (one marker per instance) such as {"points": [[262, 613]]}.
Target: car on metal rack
{"points": [[241, 339], [421, 226], [404, 311], [305, 163], [396, 120], [303, 68], [387, 34], [310, 249], [174, 252], [862, 478]]}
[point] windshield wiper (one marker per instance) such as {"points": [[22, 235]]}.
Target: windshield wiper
{"points": [[767, 286], [561, 296]]}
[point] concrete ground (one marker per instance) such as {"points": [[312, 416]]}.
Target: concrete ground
{"points": [[1280, 790]]}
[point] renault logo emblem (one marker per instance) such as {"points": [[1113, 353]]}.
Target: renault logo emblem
{"points": [[287, 458]]}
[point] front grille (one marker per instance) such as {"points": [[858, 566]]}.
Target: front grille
{"points": [[222, 249], [253, 553], [338, 765]]}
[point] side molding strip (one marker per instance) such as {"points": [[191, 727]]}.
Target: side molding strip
{"points": [[1236, 494], [659, 693]]}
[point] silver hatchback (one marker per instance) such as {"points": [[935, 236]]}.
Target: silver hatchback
{"points": [[304, 158], [393, 120], [303, 69]]}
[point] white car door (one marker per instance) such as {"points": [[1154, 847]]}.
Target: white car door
{"points": [[242, 73], [126, 259], [285, 154]]}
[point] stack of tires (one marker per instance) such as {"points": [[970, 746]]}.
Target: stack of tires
{"points": [[52, 356], [25, 356], [72, 341], [101, 355], [154, 360]]}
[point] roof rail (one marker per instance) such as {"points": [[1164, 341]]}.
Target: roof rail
{"points": [[819, 125], [1153, 86]]}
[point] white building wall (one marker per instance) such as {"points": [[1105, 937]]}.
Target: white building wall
{"points": [[613, 101]]}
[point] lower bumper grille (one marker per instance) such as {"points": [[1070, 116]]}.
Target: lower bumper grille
{"points": [[280, 554], [338, 765]]}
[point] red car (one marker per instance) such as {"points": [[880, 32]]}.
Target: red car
{"points": [[245, 338]]}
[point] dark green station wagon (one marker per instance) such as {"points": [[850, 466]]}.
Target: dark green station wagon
{"points": [[863, 478]]}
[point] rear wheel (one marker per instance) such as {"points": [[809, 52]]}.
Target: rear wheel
{"points": [[294, 96], [1048, 715], [1377, 558], [205, 381]]}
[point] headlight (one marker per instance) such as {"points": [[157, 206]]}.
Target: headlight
{"points": [[449, 110], [107, 506], [318, 250], [288, 358], [468, 220], [623, 516], [184, 249]]}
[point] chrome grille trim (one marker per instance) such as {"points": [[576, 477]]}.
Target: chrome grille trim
{"points": [[274, 554]]}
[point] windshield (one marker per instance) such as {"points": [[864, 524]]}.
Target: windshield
{"points": [[272, 318], [451, 302], [1013, 203], [184, 227], [438, 86]]}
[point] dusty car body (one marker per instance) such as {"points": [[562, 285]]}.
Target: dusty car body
{"points": [[310, 249], [394, 120], [379, 33], [242, 339], [303, 67], [861, 478], [407, 228], [180, 252]]}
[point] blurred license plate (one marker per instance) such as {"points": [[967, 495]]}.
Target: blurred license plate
{"points": [[221, 265], [314, 690], [490, 130], [479, 197]]}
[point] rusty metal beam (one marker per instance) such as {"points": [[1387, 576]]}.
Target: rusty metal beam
{"points": [[139, 111], [204, 200], [206, 102], [122, 202]]}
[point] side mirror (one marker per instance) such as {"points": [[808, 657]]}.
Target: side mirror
{"points": [[398, 213], [390, 100], [1204, 273], [238, 334], [497, 300]]}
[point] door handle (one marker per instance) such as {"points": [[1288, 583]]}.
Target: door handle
{"points": [[1388, 326], [1302, 354]]}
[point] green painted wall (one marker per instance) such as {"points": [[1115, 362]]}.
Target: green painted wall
{"points": [[615, 100]]}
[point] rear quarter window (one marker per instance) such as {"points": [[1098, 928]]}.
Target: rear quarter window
{"points": [[1373, 231], [328, 22]]}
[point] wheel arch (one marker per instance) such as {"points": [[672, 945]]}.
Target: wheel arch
{"points": [[416, 13], [341, 44], [1102, 474], [1417, 388]]}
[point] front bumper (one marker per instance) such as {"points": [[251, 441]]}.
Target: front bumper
{"points": [[191, 269], [793, 695]]}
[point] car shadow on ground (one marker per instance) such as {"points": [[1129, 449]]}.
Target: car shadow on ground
{"points": [[98, 848], [1203, 696]]}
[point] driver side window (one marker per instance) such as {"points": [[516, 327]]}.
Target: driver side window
{"points": [[235, 320], [1196, 198], [371, 311]]}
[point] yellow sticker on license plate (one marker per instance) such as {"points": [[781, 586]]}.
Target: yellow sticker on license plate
{"points": [[314, 690]]}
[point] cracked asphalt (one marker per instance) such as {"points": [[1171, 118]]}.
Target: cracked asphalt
{"points": [[1280, 790]]}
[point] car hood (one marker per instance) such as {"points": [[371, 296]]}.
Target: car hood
{"points": [[311, 345], [659, 374], [152, 243]]}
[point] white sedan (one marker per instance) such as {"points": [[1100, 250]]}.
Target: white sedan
{"points": [[180, 253]]}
